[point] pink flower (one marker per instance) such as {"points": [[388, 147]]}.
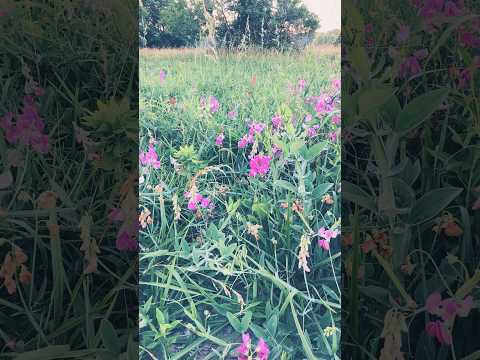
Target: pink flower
{"points": [[308, 118], [301, 85], [232, 114], [192, 205], [369, 28], [277, 121], [28, 129], [448, 308], [244, 349], [323, 105], [336, 119], [332, 136], [439, 330], [126, 241], [403, 34], [194, 200], [469, 40], [464, 78], [262, 350], [256, 128], [409, 67], [243, 142], [214, 104], [259, 164], [219, 139], [205, 202], [336, 83], [326, 235], [163, 75], [312, 131], [276, 150], [150, 157]]}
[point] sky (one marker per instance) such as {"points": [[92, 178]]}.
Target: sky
{"points": [[329, 12]]}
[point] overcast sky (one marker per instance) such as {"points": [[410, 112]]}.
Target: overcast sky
{"points": [[329, 12]]}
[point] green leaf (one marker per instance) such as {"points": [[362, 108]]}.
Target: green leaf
{"points": [[109, 337], [247, 319], [314, 151], [358, 196], [320, 190], [285, 185], [419, 109], [236, 324], [430, 204]]}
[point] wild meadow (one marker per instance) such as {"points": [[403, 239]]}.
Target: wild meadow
{"points": [[239, 205]]}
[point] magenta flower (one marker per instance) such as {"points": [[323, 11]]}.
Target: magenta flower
{"points": [[323, 105], [256, 128], [409, 67], [403, 34], [448, 308], [214, 104], [243, 142], [439, 330], [369, 28], [308, 118], [262, 350], [244, 349], [302, 83], [163, 75], [277, 121], [312, 131], [28, 129], [232, 114], [464, 78], [336, 119], [332, 136], [126, 242], [276, 150], [219, 139], [259, 165], [326, 235], [205, 202], [150, 157], [336, 83]]}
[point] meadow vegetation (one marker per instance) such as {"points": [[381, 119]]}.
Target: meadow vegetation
{"points": [[239, 200]]}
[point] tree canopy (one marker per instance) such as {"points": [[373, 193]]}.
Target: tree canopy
{"points": [[266, 23]]}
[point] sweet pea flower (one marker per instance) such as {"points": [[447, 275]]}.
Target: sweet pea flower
{"points": [[332, 136], [277, 121], [308, 118], [302, 83], [150, 157], [214, 104], [312, 131], [244, 349], [439, 330], [256, 128], [403, 34], [232, 114], [219, 139], [336, 83], [336, 119], [243, 142], [326, 235], [205, 202], [259, 165], [162, 76], [262, 350]]}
